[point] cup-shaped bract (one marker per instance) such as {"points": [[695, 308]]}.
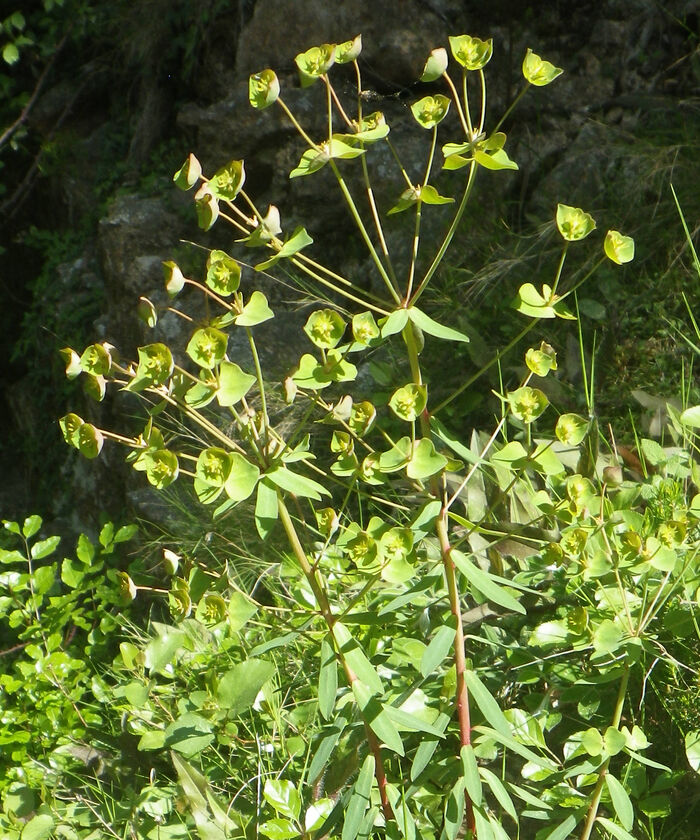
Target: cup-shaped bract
{"points": [[207, 347], [539, 72], [348, 50], [618, 247], [314, 63], [263, 89], [188, 174], [223, 273], [409, 401], [574, 223], [435, 66], [430, 110], [472, 53], [527, 403], [325, 328]]}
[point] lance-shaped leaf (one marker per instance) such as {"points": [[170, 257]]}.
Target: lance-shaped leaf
{"points": [[207, 207], [314, 63], [394, 322], [485, 583], [256, 311], [376, 717], [425, 461], [154, 368], [207, 347], [297, 241], [188, 174], [297, 484], [234, 383], [435, 66], [573, 223], [174, 278], [266, 508], [431, 327], [359, 801], [348, 50], [471, 53], [430, 110], [242, 478], [263, 88], [408, 402], [539, 72], [223, 273], [325, 328], [228, 181], [618, 248]]}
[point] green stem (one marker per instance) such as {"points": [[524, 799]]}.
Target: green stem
{"points": [[595, 800], [416, 232], [296, 125], [482, 116], [448, 236], [259, 377], [511, 106], [296, 261]]}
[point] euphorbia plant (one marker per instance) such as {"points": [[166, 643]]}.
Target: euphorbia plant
{"points": [[405, 529]]}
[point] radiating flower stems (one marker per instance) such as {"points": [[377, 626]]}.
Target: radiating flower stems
{"points": [[448, 236], [363, 232], [464, 116], [602, 772], [330, 619], [416, 232]]}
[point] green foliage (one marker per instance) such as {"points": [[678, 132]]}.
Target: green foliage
{"points": [[461, 626]]}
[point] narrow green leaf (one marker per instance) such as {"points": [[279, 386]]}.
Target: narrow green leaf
{"points": [[470, 771], [412, 723], [428, 325], [266, 511], [376, 717], [498, 789], [439, 647], [394, 322], [485, 583], [359, 801], [297, 484], [616, 830], [563, 830], [327, 679], [454, 810], [621, 801], [487, 704], [356, 659], [692, 749], [516, 747]]}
